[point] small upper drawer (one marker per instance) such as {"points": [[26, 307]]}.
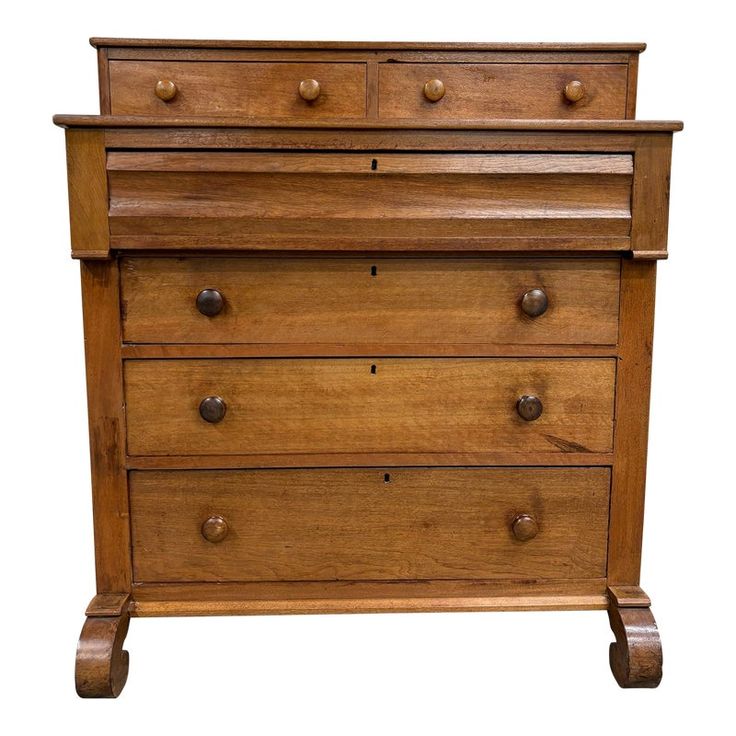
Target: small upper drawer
{"points": [[470, 91], [272, 89]]}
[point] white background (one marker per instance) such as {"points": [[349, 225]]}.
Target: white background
{"points": [[428, 673]]}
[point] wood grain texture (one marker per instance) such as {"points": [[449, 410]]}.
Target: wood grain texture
{"points": [[503, 124], [388, 596], [368, 525], [367, 459], [108, 604], [363, 45], [105, 402], [502, 91], [301, 203], [247, 89], [650, 198], [377, 164], [101, 669], [396, 405], [375, 350], [369, 301], [636, 655], [633, 376], [628, 596], [88, 197], [103, 77]]}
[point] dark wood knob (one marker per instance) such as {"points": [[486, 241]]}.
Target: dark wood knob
{"points": [[534, 303], [529, 408], [210, 302], [524, 527], [309, 89], [215, 529], [165, 90], [212, 409], [434, 90], [574, 91]]}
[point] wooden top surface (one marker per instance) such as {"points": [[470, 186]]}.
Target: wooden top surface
{"points": [[364, 45], [160, 121]]}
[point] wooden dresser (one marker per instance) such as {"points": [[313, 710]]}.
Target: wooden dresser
{"points": [[368, 328]]}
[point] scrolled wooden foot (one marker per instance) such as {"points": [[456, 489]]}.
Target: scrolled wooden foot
{"points": [[102, 663], [636, 656]]}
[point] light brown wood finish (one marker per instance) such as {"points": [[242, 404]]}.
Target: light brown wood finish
{"points": [[369, 524], [365, 459], [633, 376], [395, 405], [356, 202], [375, 350], [377, 164], [102, 330], [369, 301], [237, 599], [249, 89], [636, 655], [102, 664], [421, 123], [650, 199], [87, 181], [363, 341], [501, 91], [199, 43]]}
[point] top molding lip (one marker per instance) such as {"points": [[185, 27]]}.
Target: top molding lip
{"points": [[498, 124], [101, 42]]}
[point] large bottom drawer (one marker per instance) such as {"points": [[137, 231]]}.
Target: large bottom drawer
{"points": [[369, 524]]}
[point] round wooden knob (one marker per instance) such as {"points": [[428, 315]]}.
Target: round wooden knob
{"points": [[212, 409], [210, 302], [534, 303], [574, 91], [309, 89], [165, 90], [434, 90], [529, 408], [524, 527], [215, 529]]}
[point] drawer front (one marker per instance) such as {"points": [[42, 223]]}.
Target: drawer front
{"points": [[288, 406], [371, 301], [237, 89], [341, 201], [377, 524], [482, 91]]}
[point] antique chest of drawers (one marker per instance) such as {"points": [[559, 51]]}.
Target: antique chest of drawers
{"points": [[368, 328]]}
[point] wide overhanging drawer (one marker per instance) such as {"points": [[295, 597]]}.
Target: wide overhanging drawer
{"points": [[347, 201]]}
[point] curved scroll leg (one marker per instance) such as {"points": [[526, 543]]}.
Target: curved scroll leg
{"points": [[102, 663], [636, 656]]}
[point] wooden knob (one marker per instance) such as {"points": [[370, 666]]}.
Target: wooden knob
{"points": [[165, 90], [534, 303], [309, 89], [212, 409], [434, 90], [215, 529], [529, 408], [210, 302], [574, 91], [524, 527]]}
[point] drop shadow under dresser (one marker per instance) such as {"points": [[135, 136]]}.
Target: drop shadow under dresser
{"points": [[368, 328]]}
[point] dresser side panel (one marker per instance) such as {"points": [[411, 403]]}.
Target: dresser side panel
{"points": [[101, 305], [633, 377]]}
